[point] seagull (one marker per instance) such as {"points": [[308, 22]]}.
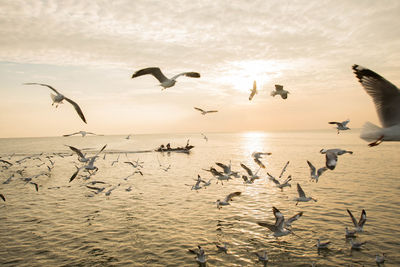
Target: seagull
{"points": [[356, 245], [331, 156], [386, 97], [227, 169], [197, 185], [205, 137], [340, 126], [83, 133], [380, 259], [223, 248], [219, 175], [279, 91], [315, 175], [322, 245], [360, 224], [128, 137], [227, 199], [81, 156], [200, 254], [252, 176], [257, 156], [302, 196], [278, 184], [278, 228], [57, 99], [204, 112], [115, 161], [36, 186], [164, 81], [89, 167], [350, 233], [253, 91], [2, 197]]}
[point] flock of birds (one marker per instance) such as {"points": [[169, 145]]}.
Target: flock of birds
{"points": [[385, 95]]}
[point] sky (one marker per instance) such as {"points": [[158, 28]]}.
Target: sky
{"points": [[88, 50]]}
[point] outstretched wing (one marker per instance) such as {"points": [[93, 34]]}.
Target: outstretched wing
{"points": [[199, 109], [211, 111], [363, 218], [231, 195], [334, 122], [42, 84], [344, 123], [321, 171], [156, 72], [223, 166], [278, 87], [352, 218], [284, 169], [294, 218], [300, 191], [65, 135], [312, 168], [187, 74], [77, 151], [272, 178], [385, 95], [247, 169], [77, 108], [271, 227]]}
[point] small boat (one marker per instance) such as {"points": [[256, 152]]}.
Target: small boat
{"points": [[176, 149]]}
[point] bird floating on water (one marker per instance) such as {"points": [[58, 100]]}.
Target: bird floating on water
{"points": [[280, 91], [386, 97], [164, 81], [341, 126], [57, 99]]}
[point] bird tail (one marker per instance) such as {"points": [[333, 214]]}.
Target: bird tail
{"points": [[53, 97], [370, 132]]}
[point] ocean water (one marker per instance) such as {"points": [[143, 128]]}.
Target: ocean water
{"points": [[154, 224]]}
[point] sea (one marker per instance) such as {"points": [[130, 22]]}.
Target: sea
{"points": [[118, 217]]}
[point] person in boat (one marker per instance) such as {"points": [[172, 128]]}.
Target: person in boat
{"points": [[187, 144], [168, 146], [162, 147]]}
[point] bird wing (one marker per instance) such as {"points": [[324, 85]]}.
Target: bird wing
{"points": [[65, 135], [278, 216], [271, 227], [156, 72], [247, 169], [294, 218], [334, 122], [278, 87], [6, 162], [259, 163], [272, 178], [130, 163], [77, 108], [385, 95], [312, 168], [74, 175], [288, 179], [300, 191], [231, 195], [187, 74], [352, 218], [199, 109], [344, 123], [77, 151], [223, 166], [211, 111], [284, 169], [321, 171], [2, 197], [42, 84], [363, 218]]}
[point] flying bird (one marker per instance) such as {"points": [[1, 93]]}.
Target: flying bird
{"points": [[279, 227], [280, 91], [83, 133], [360, 224], [331, 156], [278, 184], [164, 81], [204, 112], [253, 91], [341, 126], [302, 196], [227, 199], [201, 257], [57, 99], [257, 156], [205, 137], [315, 174], [386, 97]]}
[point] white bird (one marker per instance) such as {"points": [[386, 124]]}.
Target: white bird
{"points": [[89, 167], [83, 133], [205, 137], [279, 91], [350, 233], [81, 156], [128, 137], [331, 156], [257, 156], [164, 81], [360, 224], [341, 126], [315, 174], [302, 196], [197, 185], [227, 169], [323, 244], [380, 259], [356, 245], [252, 176], [57, 99], [204, 112], [219, 175], [386, 97], [278, 228], [200, 254], [253, 91], [278, 184], [227, 199]]}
